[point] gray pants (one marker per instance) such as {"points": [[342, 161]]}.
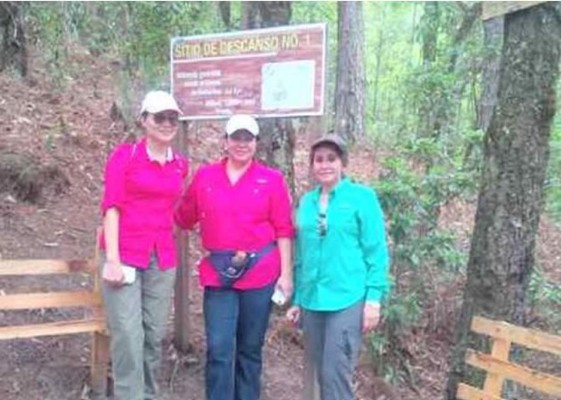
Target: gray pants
{"points": [[137, 315], [332, 341]]}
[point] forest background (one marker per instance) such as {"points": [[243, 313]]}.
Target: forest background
{"points": [[422, 91]]}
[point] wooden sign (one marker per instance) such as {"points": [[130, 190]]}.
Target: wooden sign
{"points": [[492, 9], [264, 72]]}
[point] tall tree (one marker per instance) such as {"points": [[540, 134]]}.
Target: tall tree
{"points": [[429, 26], [276, 146], [13, 50], [350, 82], [443, 84], [225, 9], [493, 34], [512, 184]]}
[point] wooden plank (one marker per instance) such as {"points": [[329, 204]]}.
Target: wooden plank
{"points": [[49, 300], [101, 354], [466, 392], [44, 267], [539, 381], [182, 319], [52, 328], [99, 365], [492, 9], [527, 337], [494, 382], [181, 298]]}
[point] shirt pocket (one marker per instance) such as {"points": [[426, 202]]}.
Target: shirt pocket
{"points": [[209, 201], [344, 218], [254, 204], [307, 228]]}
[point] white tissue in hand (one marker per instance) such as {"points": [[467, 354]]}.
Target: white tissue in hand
{"points": [[278, 297]]}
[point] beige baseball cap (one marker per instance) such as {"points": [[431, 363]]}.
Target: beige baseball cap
{"points": [[157, 101], [240, 122]]}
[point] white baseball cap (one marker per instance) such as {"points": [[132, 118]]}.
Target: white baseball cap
{"points": [[157, 101], [240, 122]]}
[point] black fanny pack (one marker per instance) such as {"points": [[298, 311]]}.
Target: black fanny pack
{"points": [[232, 264]]}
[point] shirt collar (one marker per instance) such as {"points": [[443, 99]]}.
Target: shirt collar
{"points": [[251, 167], [340, 186], [169, 153]]}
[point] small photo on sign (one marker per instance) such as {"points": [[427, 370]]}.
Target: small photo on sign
{"points": [[288, 85]]}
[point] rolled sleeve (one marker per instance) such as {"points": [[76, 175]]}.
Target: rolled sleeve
{"points": [[281, 210], [114, 178], [374, 247]]}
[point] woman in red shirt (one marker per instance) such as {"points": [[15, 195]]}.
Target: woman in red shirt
{"points": [[244, 212], [143, 182]]}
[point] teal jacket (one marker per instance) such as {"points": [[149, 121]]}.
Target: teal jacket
{"points": [[350, 261]]}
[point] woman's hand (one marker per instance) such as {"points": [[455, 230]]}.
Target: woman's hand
{"points": [[293, 314], [370, 316], [113, 273], [285, 285]]}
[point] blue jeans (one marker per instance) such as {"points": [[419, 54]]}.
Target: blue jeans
{"points": [[235, 326]]}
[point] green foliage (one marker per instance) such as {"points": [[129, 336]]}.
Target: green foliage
{"points": [[545, 299], [136, 34], [412, 198], [307, 12], [389, 357], [424, 256], [46, 24], [553, 179], [150, 27]]}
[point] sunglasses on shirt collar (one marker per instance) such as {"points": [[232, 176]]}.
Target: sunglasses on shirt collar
{"points": [[322, 224]]}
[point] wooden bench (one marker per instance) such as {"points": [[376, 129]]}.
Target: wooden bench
{"points": [[498, 366], [89, 300]]}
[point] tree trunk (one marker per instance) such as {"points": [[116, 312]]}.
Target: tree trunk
{"points": [[430, 22], [379, 52], [493, 38], [350, 80], [511, 195], [439, 107], [13, 50], [225, 12], [494, 32], [277, 137]]}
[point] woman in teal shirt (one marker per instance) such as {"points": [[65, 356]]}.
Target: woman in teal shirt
{"points": [[341, 268]]}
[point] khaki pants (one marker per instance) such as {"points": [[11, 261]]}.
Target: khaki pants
{"points": [[136, 315]]}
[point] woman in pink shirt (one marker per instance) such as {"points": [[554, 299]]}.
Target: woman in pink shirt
{"points": [[244, 212], [143, 182]]}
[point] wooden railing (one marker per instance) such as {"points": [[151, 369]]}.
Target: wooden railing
{"points": [[498, 366], [89, 300]]}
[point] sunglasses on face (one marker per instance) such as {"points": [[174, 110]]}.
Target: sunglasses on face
{"points": [[160, 118], [330, 158], [242, 136]]}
